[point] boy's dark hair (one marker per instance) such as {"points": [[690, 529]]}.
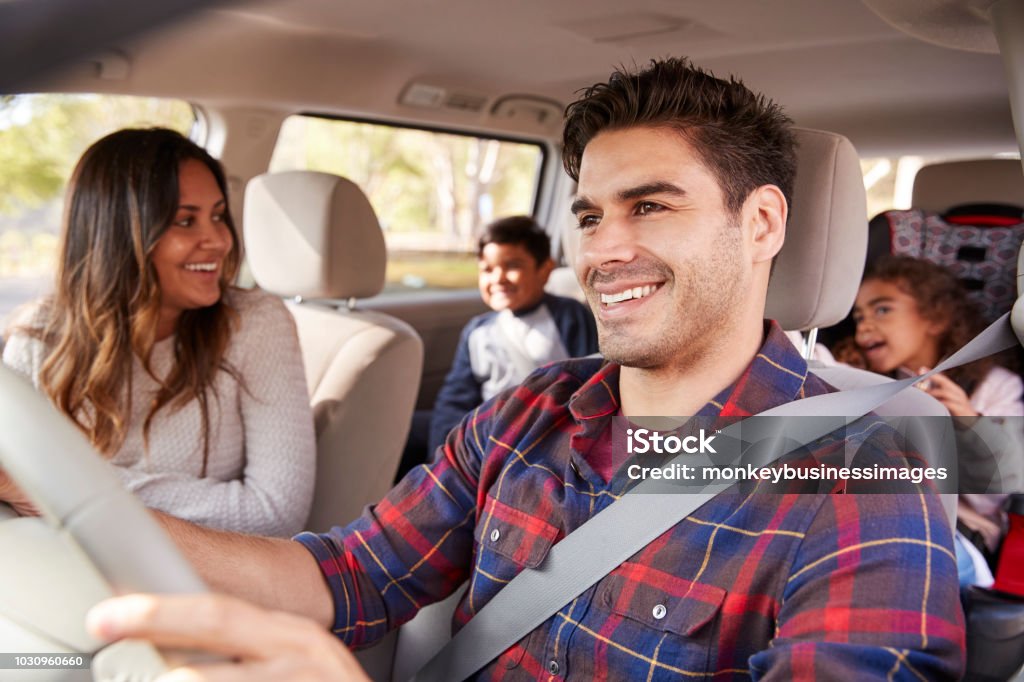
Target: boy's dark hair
{"points": [[744, 139], [518, 229]]}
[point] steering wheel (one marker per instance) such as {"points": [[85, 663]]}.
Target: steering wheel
{"points": [[93, 540]]}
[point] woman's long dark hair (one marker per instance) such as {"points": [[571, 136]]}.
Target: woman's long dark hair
{"points": [[122, 197]]}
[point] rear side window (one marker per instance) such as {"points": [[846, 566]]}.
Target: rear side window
{"points": [[41, 138], [889, 181], [433, 192]]}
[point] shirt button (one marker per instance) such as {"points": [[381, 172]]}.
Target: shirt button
{"points": [[553, 667], [495, 534], [659, 611]]}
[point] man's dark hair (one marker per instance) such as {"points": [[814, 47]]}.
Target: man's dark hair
{"points": [[744, 139], [518, 229]]}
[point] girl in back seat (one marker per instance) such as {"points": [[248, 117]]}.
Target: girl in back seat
{"points": [[911, 314], [194, 389]]}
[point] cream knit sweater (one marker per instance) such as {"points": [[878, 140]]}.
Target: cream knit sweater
{"points": [[260, 471]]}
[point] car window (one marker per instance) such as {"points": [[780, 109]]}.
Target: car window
{"points": [[890, 180], [432, 191], [41, 138]]}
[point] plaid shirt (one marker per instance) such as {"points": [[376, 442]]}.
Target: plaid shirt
{"points": [[763, 586]]}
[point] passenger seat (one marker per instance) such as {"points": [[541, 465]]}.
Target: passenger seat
{"points": [[314, 237]]}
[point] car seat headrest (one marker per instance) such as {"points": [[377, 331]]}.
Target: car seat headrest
{"points": [[941, 186], [313, 235], [818, 270]]}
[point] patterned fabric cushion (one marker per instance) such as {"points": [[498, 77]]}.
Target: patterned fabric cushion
{"points": [[984, 257]]}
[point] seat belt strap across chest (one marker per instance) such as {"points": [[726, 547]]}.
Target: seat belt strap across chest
{"points": [[626, 526]]}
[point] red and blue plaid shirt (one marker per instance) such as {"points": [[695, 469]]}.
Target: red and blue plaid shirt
{"points": [[762, 586]]}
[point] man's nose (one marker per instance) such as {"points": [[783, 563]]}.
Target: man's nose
{"points": [[614, 240]]}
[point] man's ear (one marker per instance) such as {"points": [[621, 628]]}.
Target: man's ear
{"points": [[766, 211]]}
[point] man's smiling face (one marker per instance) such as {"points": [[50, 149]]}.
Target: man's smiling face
{"points": [[663, 263]]}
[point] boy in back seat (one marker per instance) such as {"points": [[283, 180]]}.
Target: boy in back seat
{"points": [[526, 329]]}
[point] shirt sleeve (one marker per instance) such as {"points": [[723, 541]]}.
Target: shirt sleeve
{"points": [[999, 394], [459, 394], [21, 352], [412, 549], [274, 494], [872, 595], [19, 355]]}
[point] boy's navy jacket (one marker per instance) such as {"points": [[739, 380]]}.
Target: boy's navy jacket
{"points": [[463, 390]]}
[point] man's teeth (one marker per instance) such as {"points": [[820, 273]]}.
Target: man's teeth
{"points": [[628, 294], [201, 267]]}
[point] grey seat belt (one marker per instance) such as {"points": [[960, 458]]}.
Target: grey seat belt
{"points": [[626, 526]]}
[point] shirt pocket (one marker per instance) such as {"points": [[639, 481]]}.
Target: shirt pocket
{"points": [[508, 541], [513, 538], [662, 617]]}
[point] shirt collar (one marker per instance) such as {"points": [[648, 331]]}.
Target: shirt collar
{"points": [[775, 376]]}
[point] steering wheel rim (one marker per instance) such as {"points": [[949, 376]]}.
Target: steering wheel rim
{"points": [[77, 492]]}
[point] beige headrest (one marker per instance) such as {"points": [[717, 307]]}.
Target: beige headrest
{"points": [[941, 186], [313, 235], [570, 240], [818, 271]]}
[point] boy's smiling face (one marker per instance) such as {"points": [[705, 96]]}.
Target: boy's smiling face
{"points": [[510, 277]]}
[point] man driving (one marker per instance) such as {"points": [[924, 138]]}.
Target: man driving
{"points": [[684, 182]]}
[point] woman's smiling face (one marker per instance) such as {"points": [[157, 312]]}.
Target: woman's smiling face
{"points": [[189, 256]]}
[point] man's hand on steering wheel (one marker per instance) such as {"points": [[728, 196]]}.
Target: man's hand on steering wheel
{"points": [[265, 645]]}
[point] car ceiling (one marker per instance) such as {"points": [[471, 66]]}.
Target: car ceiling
{"points": [[833, 64]]}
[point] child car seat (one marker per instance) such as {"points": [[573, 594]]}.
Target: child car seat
{"points": [[968, 217]]}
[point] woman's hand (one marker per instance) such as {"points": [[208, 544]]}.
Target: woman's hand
{"points": [[949, 393], [264, 645], [12, 495]]}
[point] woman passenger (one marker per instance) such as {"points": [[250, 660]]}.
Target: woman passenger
{"points": [[193, 388]]}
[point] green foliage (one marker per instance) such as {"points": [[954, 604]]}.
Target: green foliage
{"points": [[41, 139], [431, 191], [42, 136]]}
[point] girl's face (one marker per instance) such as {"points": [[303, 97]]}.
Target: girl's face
{"points": [[189, 256], [891, 331]]}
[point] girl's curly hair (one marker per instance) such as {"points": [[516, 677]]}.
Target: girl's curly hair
{"points": [[940, 298]]}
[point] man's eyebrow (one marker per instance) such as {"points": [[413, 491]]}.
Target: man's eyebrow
{"points": [[646, 189], [649, 188], [881, 299], [581, 204]]}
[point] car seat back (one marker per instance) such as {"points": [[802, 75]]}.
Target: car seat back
{"points": [[315, 237]]}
